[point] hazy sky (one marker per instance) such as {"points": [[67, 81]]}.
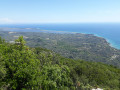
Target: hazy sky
{"points": [[59, 11]]}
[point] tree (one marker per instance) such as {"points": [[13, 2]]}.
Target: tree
{"points": [[2, 72], [22, 66], [55, 77]]}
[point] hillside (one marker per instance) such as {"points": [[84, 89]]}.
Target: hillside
{"points": [[75, 46], [25, 68]]}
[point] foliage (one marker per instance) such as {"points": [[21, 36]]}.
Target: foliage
{"points": [[75, 46], [22, 69], [25, 68]]}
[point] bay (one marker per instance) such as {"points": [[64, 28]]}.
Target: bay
{"points": [[109, 31]]}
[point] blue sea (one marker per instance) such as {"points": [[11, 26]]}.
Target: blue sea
{"points": [[109, 31]]}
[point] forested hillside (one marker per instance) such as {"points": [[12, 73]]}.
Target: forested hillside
{"points": [[75, 46], [25, 68]]}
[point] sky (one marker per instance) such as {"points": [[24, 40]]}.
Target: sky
{"points": [[59, 11]]}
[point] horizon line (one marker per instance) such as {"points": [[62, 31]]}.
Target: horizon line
{"points": [[56, 23]]}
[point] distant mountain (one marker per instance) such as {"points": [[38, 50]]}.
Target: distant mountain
{"points": [[75, 46]]}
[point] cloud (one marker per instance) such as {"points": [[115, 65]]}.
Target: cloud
{"points": [[6, 20]]}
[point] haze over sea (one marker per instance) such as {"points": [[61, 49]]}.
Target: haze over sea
{"points": [[109, 31]]}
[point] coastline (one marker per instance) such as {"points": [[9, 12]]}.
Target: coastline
{"points": [[111, 42]]}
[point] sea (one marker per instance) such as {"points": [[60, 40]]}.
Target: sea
{"points": [[109, 31]]}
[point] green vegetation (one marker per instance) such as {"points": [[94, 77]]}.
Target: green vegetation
{"points": [[75, 46], [22, 69], [25, 68]]}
